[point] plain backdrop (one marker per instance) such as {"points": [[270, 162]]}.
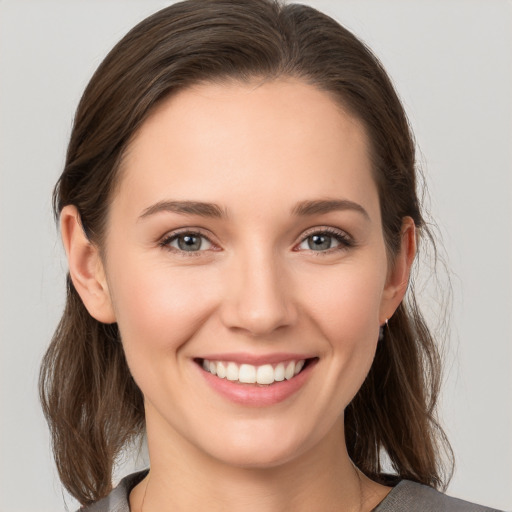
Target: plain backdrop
{"points": [[451, 61]]}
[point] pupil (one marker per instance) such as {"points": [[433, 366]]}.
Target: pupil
{"points": [[189, 243], [319, 242]]}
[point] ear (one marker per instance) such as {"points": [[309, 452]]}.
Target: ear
{"points": [[398, 274], [85, 267]]}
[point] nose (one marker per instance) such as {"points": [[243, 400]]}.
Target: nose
{"points": [[258, 296]]}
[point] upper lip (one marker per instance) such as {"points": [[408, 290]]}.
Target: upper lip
{"points": [[256, 360]]}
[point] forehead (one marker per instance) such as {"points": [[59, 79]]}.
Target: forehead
{"points": [[248, 139]]}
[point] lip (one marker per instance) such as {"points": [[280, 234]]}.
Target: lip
{"points": [[257, 395], [257, 360]]}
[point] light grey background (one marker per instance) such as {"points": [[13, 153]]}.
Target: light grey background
{"points": [[451, 61]]}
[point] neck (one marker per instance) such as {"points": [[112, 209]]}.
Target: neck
{"points": [[322, 478]]}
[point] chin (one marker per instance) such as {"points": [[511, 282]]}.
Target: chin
{"points": [[258, 459], [259, 449]]}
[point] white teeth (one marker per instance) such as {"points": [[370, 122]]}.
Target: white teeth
{"points": [[247, 373], [290, 370], [221, 370], [250, 374], [265, 374], [279, 372], [232, 371]]}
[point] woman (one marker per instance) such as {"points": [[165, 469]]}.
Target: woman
{"points": [[239, 213]]}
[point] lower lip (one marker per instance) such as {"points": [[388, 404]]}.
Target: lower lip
{"points": [[257, 395]]}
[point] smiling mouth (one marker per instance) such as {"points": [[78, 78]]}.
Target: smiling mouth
{"points": [[266, 374]]}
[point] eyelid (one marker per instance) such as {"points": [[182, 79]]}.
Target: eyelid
{"points": [[345, 239], [324, 229]]}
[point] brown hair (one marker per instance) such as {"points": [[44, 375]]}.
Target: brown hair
{"points": [[90, 400]]}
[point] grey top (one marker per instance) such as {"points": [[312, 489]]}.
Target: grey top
{"points": [[406, 496]]}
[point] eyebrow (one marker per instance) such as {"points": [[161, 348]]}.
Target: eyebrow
{"points": [[318, 207], [185, 207], [202, 209]]}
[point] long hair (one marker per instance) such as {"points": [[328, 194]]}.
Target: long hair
{"points": [[90, 400]]}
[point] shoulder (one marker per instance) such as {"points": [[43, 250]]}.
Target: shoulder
{"points": [[409, 495], [118, 499]]}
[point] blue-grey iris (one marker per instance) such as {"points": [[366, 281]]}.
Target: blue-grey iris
{"points": [[319, 242], [189, 242]]}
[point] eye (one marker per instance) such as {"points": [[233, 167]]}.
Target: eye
{"points": [[325, 240], [187, 242]]}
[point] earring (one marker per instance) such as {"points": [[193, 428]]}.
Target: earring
{"points": [[381, 330]]}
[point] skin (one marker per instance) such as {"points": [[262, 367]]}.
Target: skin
{"points": [[255, 287]]}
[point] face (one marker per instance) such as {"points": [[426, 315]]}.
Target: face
{"points": [[245, 240]]}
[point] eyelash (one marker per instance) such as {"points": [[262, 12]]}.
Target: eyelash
{"points": [[344, 240], [167, 240]]}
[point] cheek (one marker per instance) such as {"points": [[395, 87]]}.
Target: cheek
{"points": [[346, 303], [345, 309], [159, 309]]}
